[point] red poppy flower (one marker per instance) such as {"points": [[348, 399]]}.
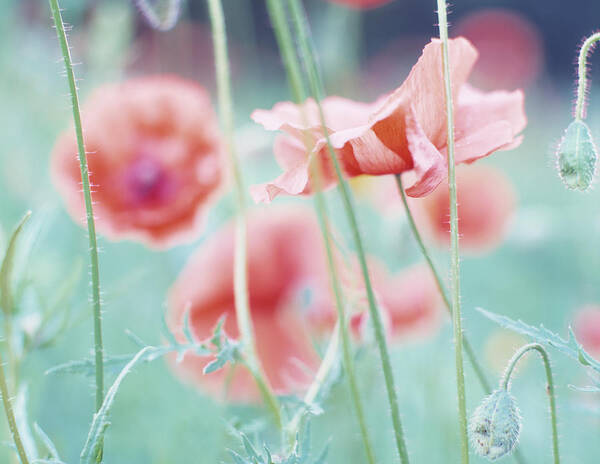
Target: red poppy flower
{"points": [[287, 280], [290, 300], [409, 302], [155, 160], [486, 201], [403, 131], [586, 326], [510, 46], [361, 3]]}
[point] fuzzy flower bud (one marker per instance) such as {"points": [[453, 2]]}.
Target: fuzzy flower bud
{"points": [[495, 425], [576, 156]]}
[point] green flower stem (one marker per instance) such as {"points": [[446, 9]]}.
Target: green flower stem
{"points": [[242, 304], [10, 416], [85, 180], [329, 361], [454, 255], [505, 383], [284, 39], [316, 86], [438, 280], [485, 384], [582, 75]]}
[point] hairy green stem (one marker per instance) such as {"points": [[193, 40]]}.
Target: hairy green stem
{"points": [[316, 86], [10, 416], [317, 384], [89, 213], [454, 254], [440, 285], [242, 304], [505, 383], [485, 384], [284, 39], [582, 74]]}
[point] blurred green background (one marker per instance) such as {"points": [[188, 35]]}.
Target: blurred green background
{"points": [[546, 268]]}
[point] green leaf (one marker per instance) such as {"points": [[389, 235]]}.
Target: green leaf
{"points": [[100, 422], [576, 157], [570, 347], [6, 270], [87, 367], [48, 444]]}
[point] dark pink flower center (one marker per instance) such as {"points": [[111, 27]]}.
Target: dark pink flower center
{"points": [[147, 181]]}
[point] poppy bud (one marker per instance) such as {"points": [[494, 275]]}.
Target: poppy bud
{"points": [[495, 425], [576, 156]]}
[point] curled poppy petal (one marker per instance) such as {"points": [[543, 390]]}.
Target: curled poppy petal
{"points": [[155, 160], [403, 131]]}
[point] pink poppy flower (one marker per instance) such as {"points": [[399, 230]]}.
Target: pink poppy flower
{"points": [[155, 160], [402, 131], [511, 48], [409, 302], [290, 301], [486, 201], [586, 326], [287, 280], [361, 3]]}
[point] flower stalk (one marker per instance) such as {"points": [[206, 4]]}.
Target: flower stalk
{"points": [[242, 303], [292, 66], [587, 45], [10, 416], [316, 87], [454, 253], [505, 384], [85, 181]]}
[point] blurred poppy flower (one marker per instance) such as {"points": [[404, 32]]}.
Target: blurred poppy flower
{"points": [[290, 301], [154, 160], [287, 278], [410, 302], [402, 131], [586, 326], [510, 46], [361, 3], [486, 201]]}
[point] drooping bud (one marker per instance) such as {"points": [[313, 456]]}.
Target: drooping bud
{"points": [[576, 156], [495, 425]]}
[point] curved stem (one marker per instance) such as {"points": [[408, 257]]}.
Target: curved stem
{"points": [[472, 357], [10, 416], [85, 180], [242, 304], [454, 254], [505, 383], [316, 86], [284, 39], [582, 75]]}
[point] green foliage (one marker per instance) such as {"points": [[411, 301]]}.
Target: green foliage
{"points": [[576, 156], [570, 347], [227, 349], [299, 454], [6, 270]]}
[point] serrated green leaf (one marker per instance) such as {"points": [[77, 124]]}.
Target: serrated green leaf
{"points": [[570, 347], [187, 331], [100, 422], [577, 156], [6, 270], [87, 367]]}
